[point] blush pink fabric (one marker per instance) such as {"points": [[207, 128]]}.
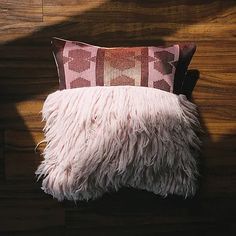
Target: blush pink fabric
{"points": [[102, 138]]}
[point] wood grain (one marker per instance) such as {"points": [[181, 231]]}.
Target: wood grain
{"points": [[129, 33], [24, 207], [27, 11], [28, 74], [150, 11], [2, 159]]}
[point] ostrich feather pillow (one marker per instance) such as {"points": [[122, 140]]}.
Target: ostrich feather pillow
{"points": [[83, 65], [99, 139]]}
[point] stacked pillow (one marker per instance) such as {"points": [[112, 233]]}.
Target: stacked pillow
{"points": [[84, 65], [118, 121]]}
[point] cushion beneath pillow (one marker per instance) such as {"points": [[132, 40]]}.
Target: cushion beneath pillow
{"points": [[84, 65], [100, 139]]}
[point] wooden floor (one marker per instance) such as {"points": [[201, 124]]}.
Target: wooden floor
{"points": [[28, 74]]}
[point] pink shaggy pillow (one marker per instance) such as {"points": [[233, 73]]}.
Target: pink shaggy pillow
{"points": [[100, 139]]}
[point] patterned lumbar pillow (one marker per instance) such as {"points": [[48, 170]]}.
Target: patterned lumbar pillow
{"points": [[83, 65]]}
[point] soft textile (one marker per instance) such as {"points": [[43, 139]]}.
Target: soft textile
{"points": [[100, 139], [84, 65]]}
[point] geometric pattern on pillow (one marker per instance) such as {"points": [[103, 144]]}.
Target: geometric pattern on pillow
{"points": [[141, 66], [104, 66], [84, 65]]}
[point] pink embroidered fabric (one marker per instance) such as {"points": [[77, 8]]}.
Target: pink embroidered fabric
{"points": [[83, 65]]}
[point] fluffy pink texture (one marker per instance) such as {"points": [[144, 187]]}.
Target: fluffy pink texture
{"points": [[100, 139]]}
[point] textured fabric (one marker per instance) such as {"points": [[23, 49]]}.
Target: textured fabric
{"points": [[100, 139], [84, 65]]}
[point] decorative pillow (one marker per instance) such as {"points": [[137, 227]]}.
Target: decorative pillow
{"points": [[100, 139], [83, 65]]}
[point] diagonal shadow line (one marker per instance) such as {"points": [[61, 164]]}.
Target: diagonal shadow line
{"points": [[76, 27]]}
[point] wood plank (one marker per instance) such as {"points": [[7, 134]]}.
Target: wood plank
{"points": [[150, 11], [24, 206], [2, 156], [217, 121], [27, 109], [25, 141], [105, 34], [220, 114], [213, 86], [119, 211], [49, 231], [23, 89], [26, 11], [219, 128], [207, 58], [43, 52], [22, 139], [21, 165], [216, 229], [31, 125], [224, 110], [214, 128], [21, 158], [26, 53], [215, 184], [222, 63]]}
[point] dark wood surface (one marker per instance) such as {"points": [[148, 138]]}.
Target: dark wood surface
{"points": [[28, 74]]}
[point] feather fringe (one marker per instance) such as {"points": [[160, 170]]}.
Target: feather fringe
{"points": [[100, 139]]}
